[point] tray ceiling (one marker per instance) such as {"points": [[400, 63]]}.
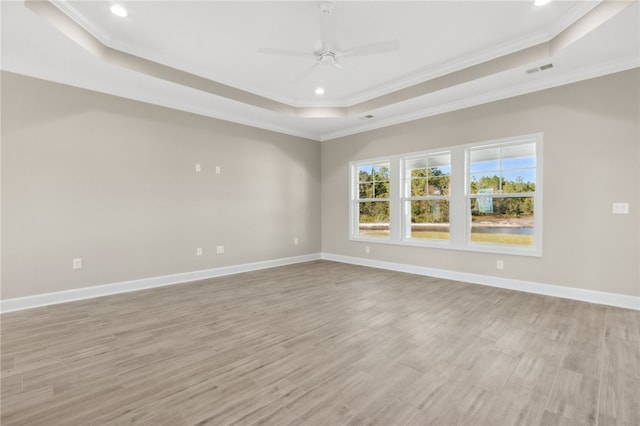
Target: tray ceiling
{"points": [[205, 57]]}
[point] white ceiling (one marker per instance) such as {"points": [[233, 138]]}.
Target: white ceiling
{"points": [[220, 40]]}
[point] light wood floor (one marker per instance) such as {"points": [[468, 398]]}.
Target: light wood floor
{"points": [[322, 343]]}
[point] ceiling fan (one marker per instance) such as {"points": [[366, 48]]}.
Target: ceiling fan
{"points": [[329, 52]]}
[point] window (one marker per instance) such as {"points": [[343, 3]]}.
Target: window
{"points": [[372, 201], [426, 200], [482, 197], [502, 186]]}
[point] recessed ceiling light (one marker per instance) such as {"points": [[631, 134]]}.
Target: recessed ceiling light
{"points": [[119, 10], [541, 2], [319, 91]]}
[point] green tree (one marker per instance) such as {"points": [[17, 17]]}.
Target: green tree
{"points": [[373, 183], [429, 181], [507, 207]]}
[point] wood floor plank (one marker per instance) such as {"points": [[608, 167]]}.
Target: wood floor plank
{"points": [[583, 357], [513, 406], [536, 372], [399, 413], [574, 396], [321, 343], [493, 369], [370, 396], [620, 398]]}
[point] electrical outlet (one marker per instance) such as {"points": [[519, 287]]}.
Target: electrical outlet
{"points": [[218, 170], [198, 168], [77, 263], [367, 249], [220, 249], [199, 251], [295, 241], [500, 264]]}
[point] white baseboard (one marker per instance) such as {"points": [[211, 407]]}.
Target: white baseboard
{"points": [[599, 297], [28, 302]]}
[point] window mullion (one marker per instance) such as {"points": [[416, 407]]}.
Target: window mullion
{"points": [[405, 201], [458, 201], [395, 200]]}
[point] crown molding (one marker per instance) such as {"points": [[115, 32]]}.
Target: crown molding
{"points": [[68, 9], [88, 37], [496, 95], [564, 21]]}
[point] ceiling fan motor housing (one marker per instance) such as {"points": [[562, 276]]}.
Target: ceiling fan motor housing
{"points": [[326, 7], [327, 58]]}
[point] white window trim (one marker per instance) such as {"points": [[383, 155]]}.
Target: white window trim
{"points": [[404, 196], [354, 199], [459, 201]]}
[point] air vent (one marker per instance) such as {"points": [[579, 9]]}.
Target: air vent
{"points": [[367, 116], [540, 68]]}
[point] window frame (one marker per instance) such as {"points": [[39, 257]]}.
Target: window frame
{"points": [[407, 197], [355, 200], [459, 199], [536, 250]]}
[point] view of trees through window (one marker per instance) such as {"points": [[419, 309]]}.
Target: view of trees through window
{"points": [[501, 188], [428, 193], [373, 199], [492, 199]]}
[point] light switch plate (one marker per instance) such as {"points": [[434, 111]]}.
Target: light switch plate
{"points": [[77, 263], [620, 208]]}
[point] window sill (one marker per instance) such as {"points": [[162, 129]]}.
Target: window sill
{"points": [[447, 245]]}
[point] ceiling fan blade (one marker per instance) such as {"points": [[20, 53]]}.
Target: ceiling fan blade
{"points": [[284, 52], [371, 49], [328, 26]]}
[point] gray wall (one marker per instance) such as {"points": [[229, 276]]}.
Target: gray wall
{"points": [[113, 181], [591, 159]]}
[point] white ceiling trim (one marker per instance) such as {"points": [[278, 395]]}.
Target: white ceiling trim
{"points": [[86, 38], [562, 23], [505, 93], [72, 12], [439, 92], [68, 9], [73, 30]]}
